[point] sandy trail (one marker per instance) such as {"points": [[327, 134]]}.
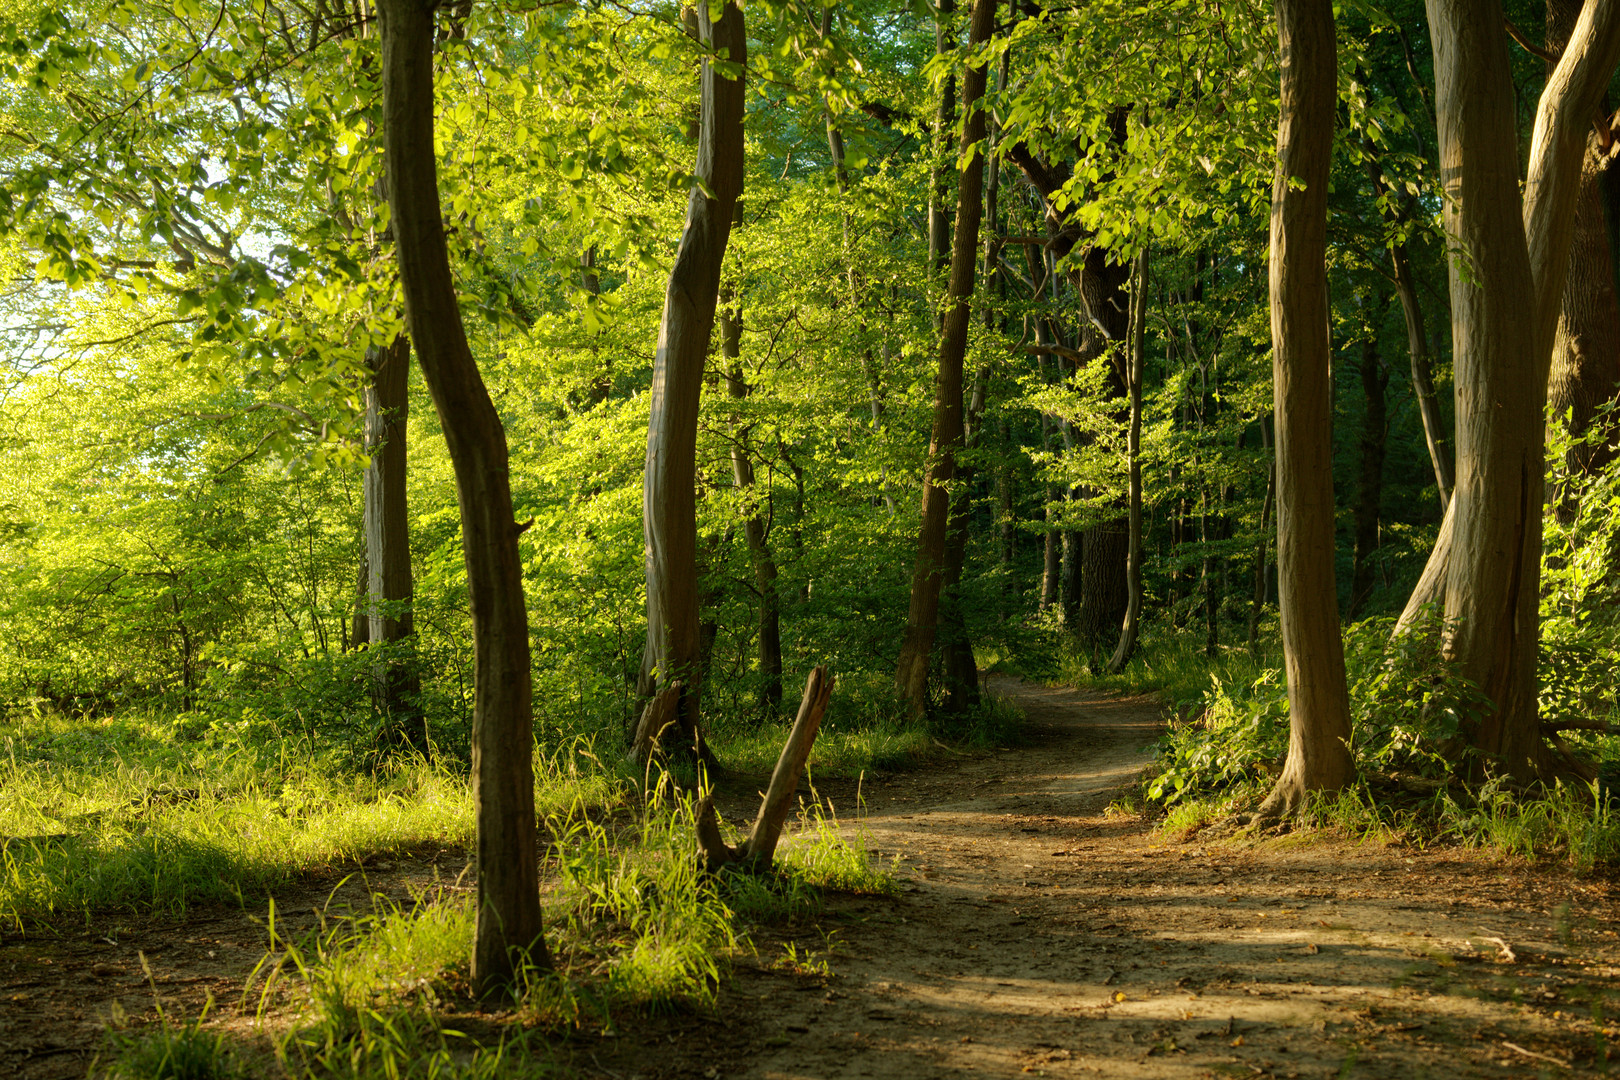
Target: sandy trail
{"points": [[1041, 936]]}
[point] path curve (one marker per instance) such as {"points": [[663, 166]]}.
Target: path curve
{"points": [[1041, 935]]}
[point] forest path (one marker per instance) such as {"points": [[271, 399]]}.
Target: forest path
{"points": [[1042, 936]]}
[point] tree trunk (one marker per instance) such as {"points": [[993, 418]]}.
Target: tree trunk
{"points": [[1370, 484], [759, 552], [669, 492], [939, 234], [1258, 601], [911, 674], [1313, 654], [508, 934], [1417, 340], [1586, 349], [388, 542], [1133, 447], [1501, 360]]}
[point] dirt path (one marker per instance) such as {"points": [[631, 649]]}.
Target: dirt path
{"points": [[1042, 936], [1037, 935]]}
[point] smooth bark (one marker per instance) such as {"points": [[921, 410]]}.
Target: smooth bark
{"points": [[1313, 654], [669, 491], [508, 933]]}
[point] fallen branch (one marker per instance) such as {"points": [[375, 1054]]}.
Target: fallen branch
{"points": [[1532, 1054], [759, 849]]}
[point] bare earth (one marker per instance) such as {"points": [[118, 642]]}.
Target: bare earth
{"points": [[1037, 935]]}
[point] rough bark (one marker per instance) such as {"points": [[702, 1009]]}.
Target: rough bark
{"points": [[911, 674], [388, 542], [1501, 361], [1313, 654], [1133, 448], [669, 491], [1370, 481], [1586, 347], [508, 934]]}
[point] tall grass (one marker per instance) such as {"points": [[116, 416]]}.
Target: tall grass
{"points": [[178, 826]]}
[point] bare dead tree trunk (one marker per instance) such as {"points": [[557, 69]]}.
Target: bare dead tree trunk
{"points": [[1370, 484], [1133, 448], [508, 934], [1313, 654], [388, 541], [756, 852], [669, 493], [911, 675]]}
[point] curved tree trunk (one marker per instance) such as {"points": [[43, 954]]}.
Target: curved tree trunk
{"points": [[1586, 349], [669, 491], [922, 620], [388, 541], [1313, 653], [508, 933], [1501, 359]]}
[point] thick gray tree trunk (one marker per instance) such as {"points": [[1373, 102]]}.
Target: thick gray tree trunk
{"points": [[508, 933], [1313, 654], [669, 491]]}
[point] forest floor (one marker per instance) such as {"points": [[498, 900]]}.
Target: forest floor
{"points": [[1036, 933]]}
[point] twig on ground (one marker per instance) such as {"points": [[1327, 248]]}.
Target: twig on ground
{"points": [[1539, 1057]]}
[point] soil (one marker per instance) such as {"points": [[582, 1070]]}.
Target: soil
{"points": [[1037, 933]]}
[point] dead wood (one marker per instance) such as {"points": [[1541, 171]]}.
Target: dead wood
{"points": [[755, 853]]}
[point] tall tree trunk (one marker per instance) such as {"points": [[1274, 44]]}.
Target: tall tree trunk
{"points": [[1133, 448], [759, 552], [1501, 358], [388, 541], [911, 674], [1313, 654], [1258, 600], [508, 933], [1417, 340], [939, 234], [1370, 483], [669, 492], [1586, 349], [961, 666]]}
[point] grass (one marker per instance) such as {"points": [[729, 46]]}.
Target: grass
{"points": [[868, 728], [1172, 664], [155, 824]]}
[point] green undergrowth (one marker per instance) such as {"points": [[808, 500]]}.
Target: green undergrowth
{"points": [[100, 816], [632, 927], [1222, 754], [869, 728]]}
